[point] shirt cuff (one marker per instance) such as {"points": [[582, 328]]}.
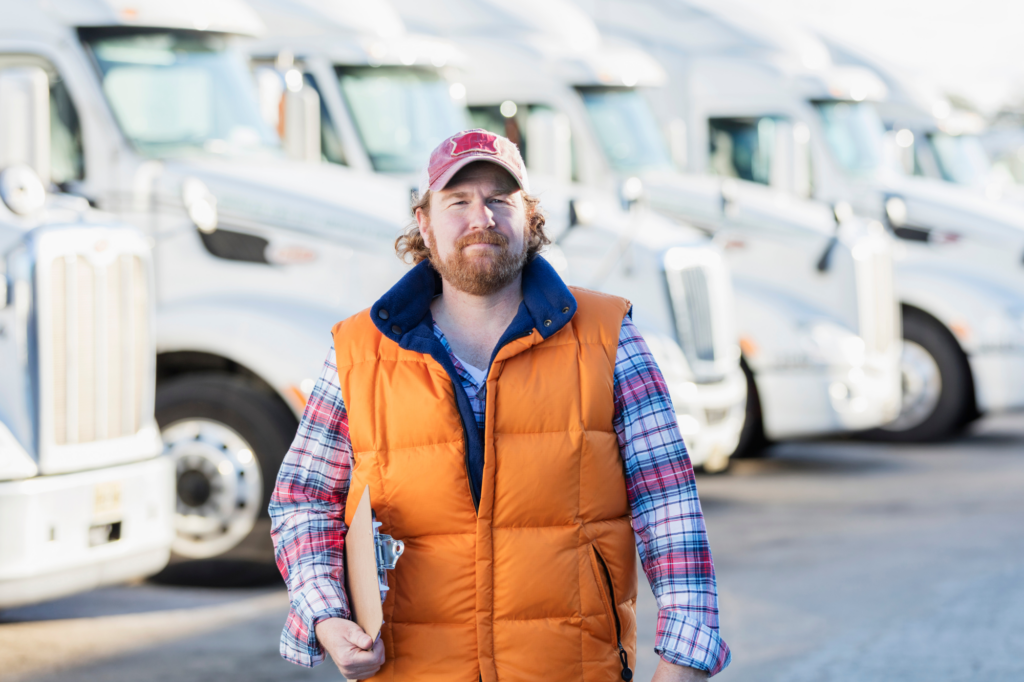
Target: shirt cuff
{"points": [[299, 644], [686, 641]]}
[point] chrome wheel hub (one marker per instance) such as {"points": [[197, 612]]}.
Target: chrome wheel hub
{"points": [[922, 387], [220, 487]]}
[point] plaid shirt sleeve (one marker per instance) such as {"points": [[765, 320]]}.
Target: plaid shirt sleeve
{"points": [[307, 511], [667, 518]]}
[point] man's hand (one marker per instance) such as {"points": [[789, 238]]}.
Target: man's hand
{"points": [[670, 672], [355, 654]]}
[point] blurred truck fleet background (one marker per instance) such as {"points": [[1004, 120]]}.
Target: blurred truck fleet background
{"points": [[194, 192]]}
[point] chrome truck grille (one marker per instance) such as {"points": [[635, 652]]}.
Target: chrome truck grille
{"points": [[878, 310], [97, 345], [702, 307]]}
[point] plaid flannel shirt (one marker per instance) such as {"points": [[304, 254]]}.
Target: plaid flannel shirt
{"points": [[308, 510]]}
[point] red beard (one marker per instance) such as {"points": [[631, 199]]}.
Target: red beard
{"points": [[484, 274]]}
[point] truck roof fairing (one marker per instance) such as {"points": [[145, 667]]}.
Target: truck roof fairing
{"points": [[557, 33], [304, 18], [221, 16], [343, 49]]}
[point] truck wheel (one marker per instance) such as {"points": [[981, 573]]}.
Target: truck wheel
{"points": [[752, 441], [228, 440], [938, 391]]}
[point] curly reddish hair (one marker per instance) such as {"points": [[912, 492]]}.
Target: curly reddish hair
{"points": [[411, 242]]}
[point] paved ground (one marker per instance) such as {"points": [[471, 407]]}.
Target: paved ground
{"points": [[836, 560]]}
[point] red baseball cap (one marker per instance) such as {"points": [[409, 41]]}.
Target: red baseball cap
{"points": [[468, 146]]}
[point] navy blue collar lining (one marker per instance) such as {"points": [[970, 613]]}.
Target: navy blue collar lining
{"points": [[403, 316], [548, 303]]}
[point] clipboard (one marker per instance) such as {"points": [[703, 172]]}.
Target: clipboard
{"points": [[368, 557]]}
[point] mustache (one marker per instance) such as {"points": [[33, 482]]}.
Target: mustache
{"points": [[482, 237]]}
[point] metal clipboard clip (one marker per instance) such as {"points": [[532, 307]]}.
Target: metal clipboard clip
{"points": [[386, 550]]}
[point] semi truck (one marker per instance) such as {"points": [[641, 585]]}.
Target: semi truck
{"points": [[929, 136], [763, 104], [388, 96], [86, 498], [816, 315], [255, 255]]}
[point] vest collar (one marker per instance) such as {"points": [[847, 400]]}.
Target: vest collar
{"points": [[405, 309]]}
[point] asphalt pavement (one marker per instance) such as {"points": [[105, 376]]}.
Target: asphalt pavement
{"points": [[837, 561]]}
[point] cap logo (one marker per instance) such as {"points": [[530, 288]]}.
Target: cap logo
{"points": [[475, 141]]}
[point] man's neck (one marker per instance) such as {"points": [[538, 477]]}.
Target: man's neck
{"points": [[472, 324]]}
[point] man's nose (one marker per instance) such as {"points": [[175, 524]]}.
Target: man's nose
{"points": [[481, 217]]}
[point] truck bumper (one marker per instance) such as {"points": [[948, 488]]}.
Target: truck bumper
{"points": [[820, 400], [711, 416], [998, 380], [73, 532]]}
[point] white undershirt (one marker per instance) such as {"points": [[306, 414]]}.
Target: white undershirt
{"points": [[479, 375]]}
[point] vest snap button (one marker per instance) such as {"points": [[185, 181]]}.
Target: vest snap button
{"points": [[396, 329], [547, 323], [565, 309], [382, 314]]}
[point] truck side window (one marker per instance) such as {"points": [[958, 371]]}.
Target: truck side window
{"points": [[67, 158]]}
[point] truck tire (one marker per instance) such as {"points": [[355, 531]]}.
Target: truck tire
{"points": [[938, 390], [228, 439], [752, 440]]}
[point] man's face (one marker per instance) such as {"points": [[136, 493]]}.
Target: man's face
{"points": [[476, 229]]}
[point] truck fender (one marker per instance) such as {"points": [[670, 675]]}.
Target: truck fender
{"points": [[282, 343], [962, 302]]}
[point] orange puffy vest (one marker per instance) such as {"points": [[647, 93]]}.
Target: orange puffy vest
{"points": [[540, 582]]}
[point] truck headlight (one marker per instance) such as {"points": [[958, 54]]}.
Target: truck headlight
{"points": [[829, 343], [670, 358], [15, 462], [1002, 332]]}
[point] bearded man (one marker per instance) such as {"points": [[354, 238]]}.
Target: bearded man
{"points": [[518, 436]]}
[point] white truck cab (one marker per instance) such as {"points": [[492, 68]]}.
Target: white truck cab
{"points": [[388, 97], [780, 113], [256, 256], [817, 322], [85, 496], [930, 137]]}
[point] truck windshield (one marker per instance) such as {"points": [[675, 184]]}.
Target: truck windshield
{"points": [[855, 135], [401, 113], [626, 129], [961, 158], [180, 92]]}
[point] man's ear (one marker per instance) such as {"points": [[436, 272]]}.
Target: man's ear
{"points": [[423, 222]]}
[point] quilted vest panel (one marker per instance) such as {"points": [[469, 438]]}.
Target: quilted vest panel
{"points": [[540, 582]]}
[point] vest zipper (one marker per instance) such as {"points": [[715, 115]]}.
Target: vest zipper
{"points": [[474, 493], [627, 674], [465, 433]]}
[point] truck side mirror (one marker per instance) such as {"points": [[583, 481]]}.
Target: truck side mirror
{"points": [[782, 154], [301, 125], [803, 176], [677, 143], [549, 151], [790, 169], [899, 150], [25, 119]]}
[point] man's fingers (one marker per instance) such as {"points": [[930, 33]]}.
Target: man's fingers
{"points": [[359, 663], [361, 657], [358, 638]]}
